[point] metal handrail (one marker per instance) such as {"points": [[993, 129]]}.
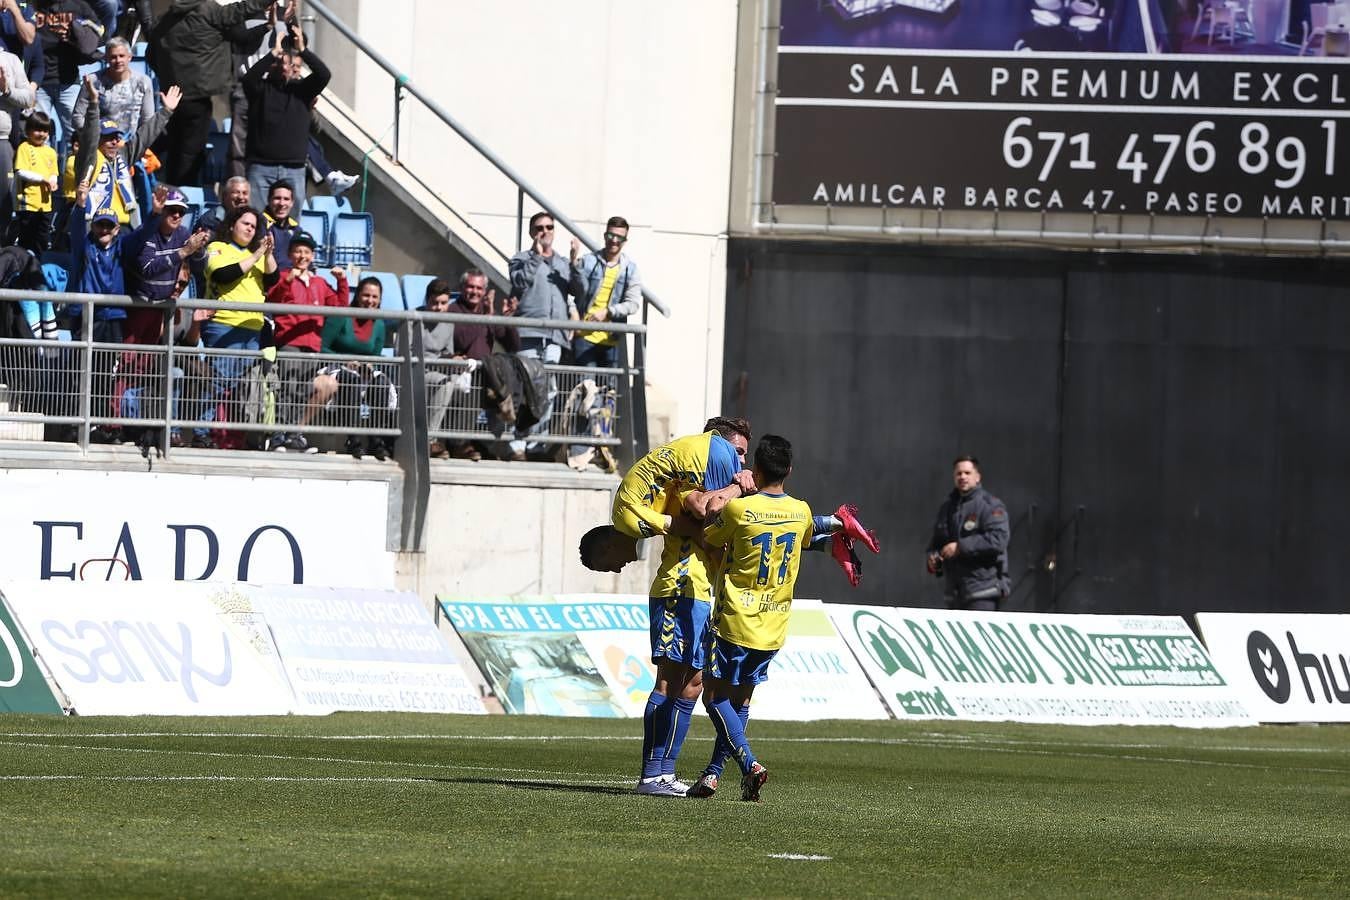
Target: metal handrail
{"points": [[403, 83]]}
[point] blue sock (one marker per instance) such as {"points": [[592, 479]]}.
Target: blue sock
{"points": [[684, 713], [721, 751], [651, 764], [732, 731]]}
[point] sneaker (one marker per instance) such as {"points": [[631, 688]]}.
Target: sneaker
{"points": [[378, 449], [752, 782], [277, 443], [438, 450], [658, 787], [706, 786], [848, 515], [841, 548], [354, 447], [341, 182], [203, 442], [296, 443], [677, 784]]}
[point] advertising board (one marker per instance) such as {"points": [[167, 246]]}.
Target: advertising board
{"points": [[1236, 109], [80, 525], [1036, 667], [1287, 667]]}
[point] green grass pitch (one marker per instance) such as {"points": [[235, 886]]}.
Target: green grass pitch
{"points": [[404, 805]]}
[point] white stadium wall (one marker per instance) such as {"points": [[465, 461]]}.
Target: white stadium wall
{"points": [[608, 108]]}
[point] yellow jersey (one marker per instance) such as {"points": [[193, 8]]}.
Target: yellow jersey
{"points": [[601, 301], [685, 569], [248, 289], [703, 462], [35, 196], [764, 536]]}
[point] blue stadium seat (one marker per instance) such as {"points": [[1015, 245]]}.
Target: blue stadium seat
{"points": [[316, 223], [328, 204], [217, 157], [415, 289], [139, 50], [194, 195], [391, 296], [352, 238], [194, 212]]}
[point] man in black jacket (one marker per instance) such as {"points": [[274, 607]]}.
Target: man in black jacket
{"points": [[190, 47], [280, 107], [970, 542]]}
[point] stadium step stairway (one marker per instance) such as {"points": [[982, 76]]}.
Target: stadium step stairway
{"points": [[342, 125]]}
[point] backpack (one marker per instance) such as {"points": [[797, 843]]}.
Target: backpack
{"points": [[590, 410], [515, 389]]}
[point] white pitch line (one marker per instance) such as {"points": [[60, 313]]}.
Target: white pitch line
{"points": [[352, 779], [287, 758], [810, 857], [929, 739]]}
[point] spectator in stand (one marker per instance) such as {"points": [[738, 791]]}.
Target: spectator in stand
{"points": [[126, 97], [608, 289], [359, 386], [541, 279], [35, 182], [280, 224], [239, 268], [61, 61], [16, 96], [106, 159], [161, 273], [475, 341], [166, 249], [189, 47], [438, 342], [17, 28], [280, 103], [249, 42], [96, 268], [235, 195], [300, 334]]}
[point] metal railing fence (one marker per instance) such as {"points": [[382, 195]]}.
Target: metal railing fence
{"points": [[92, 387]]}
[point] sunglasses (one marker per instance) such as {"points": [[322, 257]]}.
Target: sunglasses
{"points": [[616, 238], [543, 228]]}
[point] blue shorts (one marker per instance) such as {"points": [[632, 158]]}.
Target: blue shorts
{"points": [[735, 664], [678, 628]]}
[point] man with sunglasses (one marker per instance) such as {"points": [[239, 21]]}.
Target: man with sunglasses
{"points": [[541, 279]]}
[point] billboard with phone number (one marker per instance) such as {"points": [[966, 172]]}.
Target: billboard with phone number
{"points": [[1083, 106]]}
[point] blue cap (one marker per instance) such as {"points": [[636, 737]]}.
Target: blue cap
{"points": [[105, 214], [109, 127]]}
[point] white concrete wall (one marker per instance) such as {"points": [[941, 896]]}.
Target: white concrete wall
{"points": [[607, 107], [495, 541]]}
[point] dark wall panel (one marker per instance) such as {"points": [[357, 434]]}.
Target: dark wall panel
{"points": [[880, 369], [1169, 431]]}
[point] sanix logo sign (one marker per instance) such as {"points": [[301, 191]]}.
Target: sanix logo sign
{"points": [[125, 649], [1292, 667]]}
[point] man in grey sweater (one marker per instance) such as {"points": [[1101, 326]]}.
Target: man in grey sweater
{"points": [[541, 279]]}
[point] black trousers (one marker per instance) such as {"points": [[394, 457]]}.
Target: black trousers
{"points": [[186, 137]]}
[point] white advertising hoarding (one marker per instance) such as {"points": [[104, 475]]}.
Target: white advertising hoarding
{"points": [[138, 649], [111, 526], [345, 649], [1033, 667], [1288, 667]]}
